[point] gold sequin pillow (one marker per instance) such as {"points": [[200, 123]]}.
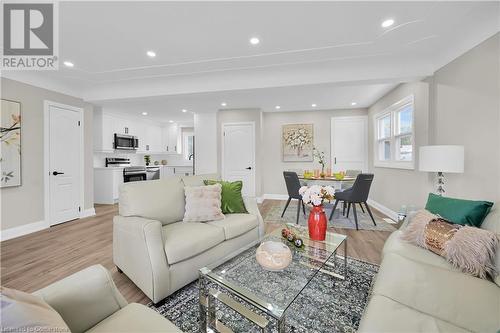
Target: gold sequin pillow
{"points": [[470, 249]]}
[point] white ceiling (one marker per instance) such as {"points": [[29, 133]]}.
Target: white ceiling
{"points": [[202, 47], [296, 98]]}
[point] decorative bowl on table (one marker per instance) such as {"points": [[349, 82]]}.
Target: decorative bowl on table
{"points": [[339, 175], [273, 256]]}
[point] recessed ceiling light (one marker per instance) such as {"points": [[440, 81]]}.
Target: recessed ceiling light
{"points": [[223, 104], [277, 107], [254, 41], [353, 103], [184, 110], [151, 54], [69, 64], [144, 113], [387, 23], [170, 121], [313, 105]]}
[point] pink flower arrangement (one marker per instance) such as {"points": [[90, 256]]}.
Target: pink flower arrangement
{"points": [[317, 194]]}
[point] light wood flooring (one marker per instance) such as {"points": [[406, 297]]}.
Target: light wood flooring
{"points": [[36, 260]]}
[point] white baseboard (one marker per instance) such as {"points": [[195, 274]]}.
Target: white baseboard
{"points": [[87, 213], [22, 230], [270, 196], [392, 214], [35, 226]]}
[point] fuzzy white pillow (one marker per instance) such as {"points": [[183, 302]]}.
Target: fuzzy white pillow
{"points": [[203, 203]]}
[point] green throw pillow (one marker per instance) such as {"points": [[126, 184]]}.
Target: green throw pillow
{"points": [[459, 211], [232, 201]]}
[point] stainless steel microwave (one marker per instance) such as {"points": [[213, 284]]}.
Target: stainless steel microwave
{"points": [[126, 142]]}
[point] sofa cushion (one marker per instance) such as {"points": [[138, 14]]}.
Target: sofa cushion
{"points": [[467, 302], [394, 244], [235, 225], [161, 200], [197, 180], [459, 211], [184, 240], [492, 223], [385, 315], [135, 318], [203, 203], [23, 312], [232, 199]]}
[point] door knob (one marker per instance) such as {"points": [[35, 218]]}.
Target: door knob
{"points": [[55, 173], [249, 168]]}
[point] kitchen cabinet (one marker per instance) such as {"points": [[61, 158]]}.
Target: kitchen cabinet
{"points": [[171, 170], [170, 138], [107, 183], [103, 132], [153, 138]]}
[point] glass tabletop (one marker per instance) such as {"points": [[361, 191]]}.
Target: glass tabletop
{"points": [[273, 291]]}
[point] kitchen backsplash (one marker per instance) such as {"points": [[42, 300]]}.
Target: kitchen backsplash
{"points": [[138, 159]]}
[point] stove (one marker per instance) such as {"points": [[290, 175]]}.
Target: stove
{"points": [[117, 162]]}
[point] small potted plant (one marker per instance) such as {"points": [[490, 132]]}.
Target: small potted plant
{"points": [[147, 159], [320, 155], [316, 195]]}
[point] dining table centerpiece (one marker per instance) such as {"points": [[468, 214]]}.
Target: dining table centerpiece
{"points": [[316, 195], [320, 155]]}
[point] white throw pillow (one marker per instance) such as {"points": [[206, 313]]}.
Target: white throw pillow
{"points": [[203, 203]]}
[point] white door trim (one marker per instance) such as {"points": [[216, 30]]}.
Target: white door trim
{"points": [[253, 146], [365, 125], [46, 156]]}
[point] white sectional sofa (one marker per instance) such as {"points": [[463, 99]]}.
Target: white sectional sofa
{"points": [[158, 251], [419, 291], [88, 301]]}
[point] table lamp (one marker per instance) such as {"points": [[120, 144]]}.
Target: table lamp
{"points": [[441, 159]]}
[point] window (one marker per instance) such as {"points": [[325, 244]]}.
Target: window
{"points": [[188, 143], [394, 141]]}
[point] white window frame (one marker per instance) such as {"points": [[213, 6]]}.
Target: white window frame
{"points": [[185, 134], [392, 111]]}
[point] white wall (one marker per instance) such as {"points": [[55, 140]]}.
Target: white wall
{"points": [[205, 138], [460, 105], [24, 204], [466, 111], [272, 162], [396, 187]]}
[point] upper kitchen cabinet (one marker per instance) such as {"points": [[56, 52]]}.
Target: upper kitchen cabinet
{"points": [[103, 132], [171, 140], [153, 138]]}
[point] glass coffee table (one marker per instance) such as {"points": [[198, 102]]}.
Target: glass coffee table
{"points": [[270, 292]]}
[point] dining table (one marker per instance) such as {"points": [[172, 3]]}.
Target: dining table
{"points": [[327, 180]]}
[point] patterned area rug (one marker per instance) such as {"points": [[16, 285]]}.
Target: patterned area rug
{"points": [[326, 305], [273, 215]]}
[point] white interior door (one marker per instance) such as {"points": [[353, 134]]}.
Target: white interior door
{"points": [[349, 142], [64, 164], [238, 155]]}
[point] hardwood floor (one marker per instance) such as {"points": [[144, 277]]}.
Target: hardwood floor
{"points": [[36, 260]]}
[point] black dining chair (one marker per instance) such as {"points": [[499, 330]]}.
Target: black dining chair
{"points": [[293, 185], [357, 194]]}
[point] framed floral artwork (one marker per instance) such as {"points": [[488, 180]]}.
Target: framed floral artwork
{"points": [[297, 142], [10, 137]]}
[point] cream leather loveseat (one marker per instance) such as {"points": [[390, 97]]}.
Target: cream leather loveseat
{"points": [[158, 251], [419, 291], [88, 301]]}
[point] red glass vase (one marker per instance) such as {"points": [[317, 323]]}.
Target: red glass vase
{"points": [[317, 223]]}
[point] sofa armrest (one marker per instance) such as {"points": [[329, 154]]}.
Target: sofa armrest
{"points": [[138, 250], [84, 298], [252, 208]]}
